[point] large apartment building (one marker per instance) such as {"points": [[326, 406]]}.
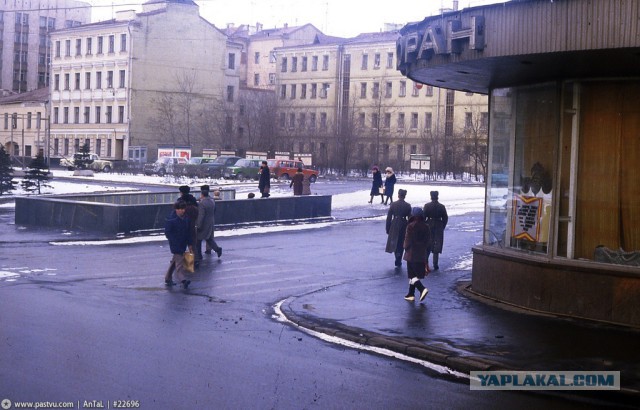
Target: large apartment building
{"points": [[142, 80], [344, 100], [24, 42]]}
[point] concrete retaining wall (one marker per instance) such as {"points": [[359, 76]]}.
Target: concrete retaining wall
{"points": [[132, 212]]}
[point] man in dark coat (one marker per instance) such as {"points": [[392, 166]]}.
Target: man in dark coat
{"points": [[397, 217], [416, 242], [436, 216], [191, 213], [176, 230], [264, 184], [205, 224]]}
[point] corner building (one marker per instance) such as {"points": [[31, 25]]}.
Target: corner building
{"points": [[562, 213]]}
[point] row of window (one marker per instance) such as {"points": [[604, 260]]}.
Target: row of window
{"points": [[88, 46], [86, 115], [77, 77], [27, 121], [61, 146], [309, 122], [312, 90], [304, 62]]}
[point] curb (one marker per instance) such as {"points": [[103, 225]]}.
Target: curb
{"points": [[402, 345]]}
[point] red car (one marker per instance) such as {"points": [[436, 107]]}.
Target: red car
{"points": [[286, 168]]}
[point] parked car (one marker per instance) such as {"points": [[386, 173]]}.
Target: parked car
{"points": [[286, 168], [93, 162], [243, 169], [194, 167], [215, 169], [164, 165]]}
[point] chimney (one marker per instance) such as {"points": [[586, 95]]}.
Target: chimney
{"points": [[455, 5]]}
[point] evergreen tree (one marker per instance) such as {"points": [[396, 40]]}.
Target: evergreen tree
{"points": [[6, 172], [82, 159], [37, 175]]}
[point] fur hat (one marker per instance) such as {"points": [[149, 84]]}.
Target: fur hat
{"points": [[184, 189], [417, 211], [434, 195]]}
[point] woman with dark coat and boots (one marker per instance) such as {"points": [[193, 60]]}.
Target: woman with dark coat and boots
{"points": [[416, 242], [397, 217], [376, 185], [389, 184]]}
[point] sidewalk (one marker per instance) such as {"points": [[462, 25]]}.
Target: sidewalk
{"points": [[453, 328]]}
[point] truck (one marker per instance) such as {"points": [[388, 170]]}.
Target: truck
{"points": [[87, 161]]}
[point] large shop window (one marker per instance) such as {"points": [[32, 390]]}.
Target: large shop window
{"points": [[519, 201]]}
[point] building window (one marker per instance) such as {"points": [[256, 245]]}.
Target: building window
{"points": [[304, 64], [121, 114], [56, 82], [57, 51], [388, 89], [67, 84], [87, 81], [272, 78], [283, 65], [89, 40], [122, 78], [76, 115], [98, 115], [67, 48], [429, 91], [325, 90], [427, 121], [256, 57], [403, 89], [325, 63], [256, 79], [29, 120], [293, 91], [112, 44], [294, 64], [484, 121], [361, 120], [87, 114], [303, 91], [272, 57], [99, 80], [56, 115], [314, 90], [110, 79], [100, 44], [401, 121], [387, 120], [365, 61], [38, 120], [415, 91], [78, 47], [65, 115], [232, 61], [468, 120], [77, 81], [389, 60], [98, 149], [323, 120], [414, 120], [363, 90], [292, 121], [109, 114], [230, 91], [123, 42], [283, 91], [376, 90], [312, 121], [375, 121], [314, 63], [376, 61]]}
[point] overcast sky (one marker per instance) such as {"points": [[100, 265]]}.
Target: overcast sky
{"points": [[343, 18]]}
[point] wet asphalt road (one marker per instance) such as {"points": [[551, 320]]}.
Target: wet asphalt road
{"points": [[94, 322]]}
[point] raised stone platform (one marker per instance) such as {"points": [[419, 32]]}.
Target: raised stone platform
{"points": [[134, 212]]}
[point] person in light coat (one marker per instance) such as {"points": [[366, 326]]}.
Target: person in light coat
{"points": [[205, 224]]}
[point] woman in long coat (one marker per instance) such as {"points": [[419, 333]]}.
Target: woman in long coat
{"points": [[264, 184], [397, 217], [416, 242], [296, 182], [389, 184], [377, 183]]}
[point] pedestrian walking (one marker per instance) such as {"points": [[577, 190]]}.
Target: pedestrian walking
{"points": [[177, 231], [376, 185], [264, 184], [436, 216], [397, 218], [296, 182], [416, 242], [205, 224], [192, 214], [389, 184]]}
